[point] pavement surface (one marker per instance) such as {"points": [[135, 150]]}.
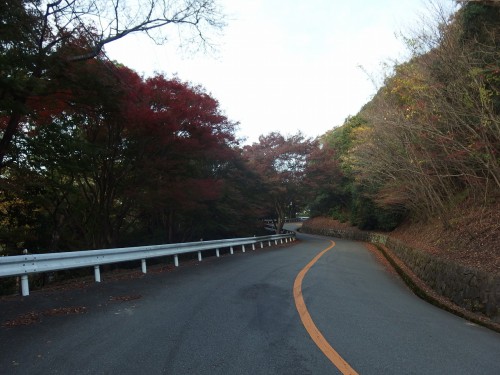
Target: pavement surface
{"points": [[237, 315]]}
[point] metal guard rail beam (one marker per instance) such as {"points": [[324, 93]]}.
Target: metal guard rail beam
{"points": [[24, 265]]}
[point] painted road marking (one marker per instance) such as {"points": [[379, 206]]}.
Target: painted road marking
{"points": [[308, 323]]}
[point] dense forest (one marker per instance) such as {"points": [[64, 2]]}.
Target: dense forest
{"points": [[95, 156], [92, 155]]}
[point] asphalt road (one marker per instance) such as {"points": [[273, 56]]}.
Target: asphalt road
{"points": [[237, 315]]}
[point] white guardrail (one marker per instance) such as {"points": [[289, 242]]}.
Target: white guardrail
{"points": [[24, 265]]}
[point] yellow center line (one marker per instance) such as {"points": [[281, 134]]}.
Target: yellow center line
{"points": [[308, 323]]}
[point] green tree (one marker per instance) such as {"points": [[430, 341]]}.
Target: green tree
{"points": [[340, 192]]}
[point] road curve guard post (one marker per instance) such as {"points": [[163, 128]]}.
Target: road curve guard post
{"points": [[24, 265], [97, 274]]}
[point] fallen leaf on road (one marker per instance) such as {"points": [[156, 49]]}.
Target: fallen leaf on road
{"points": [[34, 317], [125, 298]]}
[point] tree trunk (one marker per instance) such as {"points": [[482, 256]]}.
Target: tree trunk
{"points": [[8, 135]]}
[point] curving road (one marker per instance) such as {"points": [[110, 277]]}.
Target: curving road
{"points": [[237, 315]]}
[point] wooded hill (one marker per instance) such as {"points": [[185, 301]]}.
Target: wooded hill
{"points": [[430, 138]]}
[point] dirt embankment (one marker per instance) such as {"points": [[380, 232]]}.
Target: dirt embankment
{"points": [[473, 238]]}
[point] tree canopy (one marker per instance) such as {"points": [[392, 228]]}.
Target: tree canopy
{"points": [[281, 162], [41, 41], [125, 160]]}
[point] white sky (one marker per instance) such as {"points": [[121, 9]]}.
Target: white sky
{"points": [[286, 65]]}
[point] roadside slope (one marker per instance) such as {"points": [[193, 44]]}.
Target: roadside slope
{"points": [[472, 240]]}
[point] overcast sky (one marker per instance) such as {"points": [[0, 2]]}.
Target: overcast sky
{"points": [[287, 65]]}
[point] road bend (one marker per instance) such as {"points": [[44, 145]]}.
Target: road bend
{"points": [[242, 314]]}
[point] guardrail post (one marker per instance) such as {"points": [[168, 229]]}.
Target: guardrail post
{"points": [[143, 265], [281, 240], [261, 244], [269, 243], [199, 256], [176, 260], [253, 246], [25, 286], [243, 248], [231, 250], [97, 274], [217, 253], [275, 242]]}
